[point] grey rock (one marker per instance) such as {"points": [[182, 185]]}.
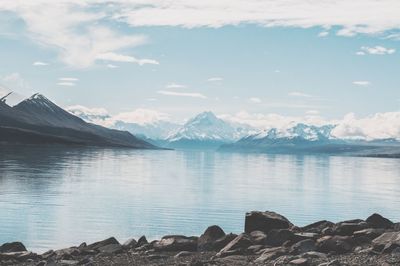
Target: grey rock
{"points": [[348, 228], [142, 241], [303, 247], [370, 233], [277, 237], [378, 221], [237, 246], [258, 237], [271, 254], [176, 243], [223, 241], [130, 243], [314, 255], [99, 244], [336, 244], [183, 254], [265, 221], [386, 242], [111, 249], [12, 247], [207, 239], [300, 262], [317, 227], [253, 249]]}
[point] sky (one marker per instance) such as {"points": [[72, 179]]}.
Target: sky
{"points": [[252, 59]]}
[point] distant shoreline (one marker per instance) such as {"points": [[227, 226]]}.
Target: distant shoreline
{"points": [[268, 239]]}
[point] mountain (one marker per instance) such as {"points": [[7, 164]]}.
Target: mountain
{"points": [[308, 139], [38, 120], [206, 131]]}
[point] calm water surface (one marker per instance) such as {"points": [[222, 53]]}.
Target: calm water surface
{"points": [[55, 197]]}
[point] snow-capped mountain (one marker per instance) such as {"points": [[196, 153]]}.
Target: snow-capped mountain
{"points": [[206, 129], [38, 120], [157, 130]]}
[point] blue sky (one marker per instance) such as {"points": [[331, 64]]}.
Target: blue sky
{"points": [[182, 60]]}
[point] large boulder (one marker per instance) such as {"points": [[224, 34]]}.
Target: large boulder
{"points": [[237, 246], [303, 247], [378, 221], [270, 254], [207, 239], [336, 244], [277, 237], [317, 227], [220, 243], [386, 242], [105, 242], [348, 228], [370, 233], [12, 247], [176, 243], [265, 221]]}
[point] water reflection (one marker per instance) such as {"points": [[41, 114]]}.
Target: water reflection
{"points": [[57, 196]]}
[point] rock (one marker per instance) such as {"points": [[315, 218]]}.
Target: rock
{"points": [[327, 231], [304, 236], [265, 222], [300, 261], [130, 243], [41, 263], [68, 262], [336, 244], [396, 226], [258, 237], [396, 251], [142, 241], [386, 242], [12, 247], [378, 221], [82, 245], [99, 244], [277, 237], [183, 254], [48, 254], [271, 254], [303, 247], [220, 243], [207, 239], [111, 249], [176, 243], [317, 227], [314, 255], [157, 257], [369, 233], [232, 260], [348, 228], [254, 249], [67, 253], [237, 246]]}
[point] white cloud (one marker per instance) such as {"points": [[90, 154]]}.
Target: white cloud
{"points": [[366, 128], [125, 58], [323, 34], [182, 94], [255, 100], [215, 79], [40, 63], [312, 112], [175, 86], [141, 116], [376, 50], [68, 79], [80, 37], [299, 94], [16, 82], [363, 83], [68, 84], [112, 66]]}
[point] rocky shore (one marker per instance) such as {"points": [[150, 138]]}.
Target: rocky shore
{"points": [[268, 239]]}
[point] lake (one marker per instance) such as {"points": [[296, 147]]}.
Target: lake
{"points": [[53, 197]]}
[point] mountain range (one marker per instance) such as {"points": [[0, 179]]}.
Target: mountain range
{"points": [[37, 120]]}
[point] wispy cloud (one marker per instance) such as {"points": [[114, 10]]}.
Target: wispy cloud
{"points": [[68, 84], [299, 94], [323, 34], [362, 83], [255, 100], [215, 79], [182, 94], [376, 50], [112, 66], [174, 85], [125, 58], [68, 79], [40, 63]]}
